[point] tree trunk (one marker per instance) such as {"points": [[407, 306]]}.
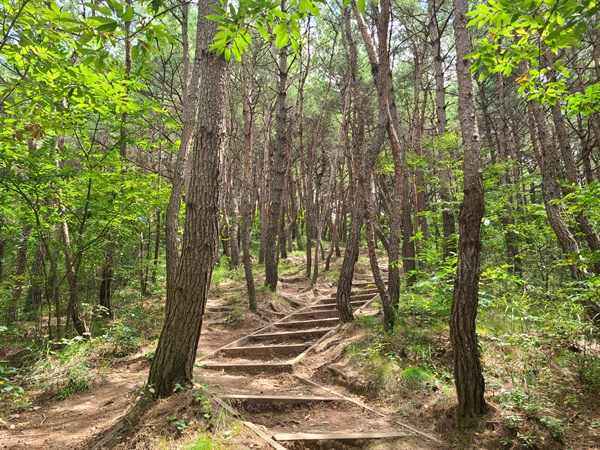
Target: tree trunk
{"points": [[583, 221], [380, 71], [105, 285], [190, 106], [176, 351], [448, 219], [468, 376], [73, 307], [550, 166], [35, 292], [248, 111], [277, 172], [505, 149], [12, 309]]}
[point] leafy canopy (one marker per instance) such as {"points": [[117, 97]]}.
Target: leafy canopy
{"points": [[523, 31]]}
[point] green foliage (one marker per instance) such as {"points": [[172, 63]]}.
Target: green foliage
{"points": [[238, 21], [589, 372], [524, 30], [414, 377], [7, 385], [124, 338], [204, 442], [75, 384]]}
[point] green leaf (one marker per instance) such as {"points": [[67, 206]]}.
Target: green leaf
{"points": [[216, 18], [129, 14], [361, 6], [108, 27], [263, 31], [282, 38]]}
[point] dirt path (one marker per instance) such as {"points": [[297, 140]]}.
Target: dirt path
{"points": [[249, 366], [254, 378], [60, 425]]}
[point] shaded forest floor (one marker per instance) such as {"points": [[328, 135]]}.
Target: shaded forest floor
{"points": [[542, 374]]}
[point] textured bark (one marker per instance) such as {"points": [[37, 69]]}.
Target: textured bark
{"points": [[570, 169], [12, 308], [190, 106], [277, 172], [448, 219], [468, 376], [248, 112], [234, 229], [505, 150], [35, 293], [380, 71], [105, 284], [176, 351], [73, 307], [354, 156], [552, 189], [344, 286]]}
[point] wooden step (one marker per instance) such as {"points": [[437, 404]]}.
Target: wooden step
{"points": [[213, 309], [303, 334], [302, 324], [312, 437], [265, 350], [364, 284], [325, 306], [360, 291], [321, 314], [265, 367], [279, 399]]}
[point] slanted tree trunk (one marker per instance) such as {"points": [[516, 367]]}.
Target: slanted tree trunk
{"points": [[550, 166], [468, 376], [176, 351], [583, 221], [380, 71]]}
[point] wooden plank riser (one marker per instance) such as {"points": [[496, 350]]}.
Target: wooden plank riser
{"points": [[264, 351]]}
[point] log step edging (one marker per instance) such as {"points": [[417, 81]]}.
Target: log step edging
{"points": [[266, 367], [300, 324], [280, 399], [312, 437], [315, 333], [264, 350]]}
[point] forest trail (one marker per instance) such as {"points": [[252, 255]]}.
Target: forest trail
{"points": [[256, 379], [261, 376]]}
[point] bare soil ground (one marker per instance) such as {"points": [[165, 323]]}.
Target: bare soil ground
{"points": [[79, 420]]}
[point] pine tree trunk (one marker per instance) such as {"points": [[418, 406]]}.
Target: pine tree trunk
{"points": [[12, 308], [176, 351], [468, 376], [277, 172], [35, 292], [248, 111], [448, 219], [105, 285], [190, 106]]}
